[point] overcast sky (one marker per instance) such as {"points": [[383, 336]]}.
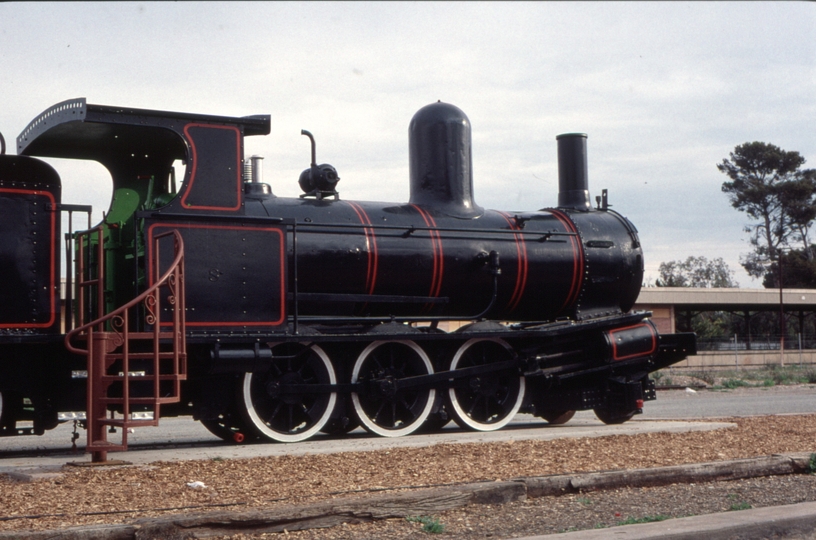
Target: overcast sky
{"points": [[664, 90]]}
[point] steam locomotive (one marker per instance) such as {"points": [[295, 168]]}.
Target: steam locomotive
{"points": [[273, 318]]}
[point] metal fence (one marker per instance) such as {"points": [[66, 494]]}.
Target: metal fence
{"points": [[757, 343]]}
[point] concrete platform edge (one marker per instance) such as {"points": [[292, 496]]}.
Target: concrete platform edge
{"points": [[767, 522]]}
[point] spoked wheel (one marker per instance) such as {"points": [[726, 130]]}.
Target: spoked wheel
{"points": [[488, 401], [383, 408], [613, 416], [279, 415], [557, 417]]}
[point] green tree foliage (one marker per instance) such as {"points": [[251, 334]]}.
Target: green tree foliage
{"points": [[701, 273], [769, 185], [798, 270], [696, 272]]}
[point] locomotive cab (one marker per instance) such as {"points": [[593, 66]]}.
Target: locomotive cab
{"points": [[139, 148]]}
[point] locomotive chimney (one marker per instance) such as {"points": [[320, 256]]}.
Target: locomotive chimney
{"points": [[257, 169], [573, 184], [440, 162], [254, 186]]}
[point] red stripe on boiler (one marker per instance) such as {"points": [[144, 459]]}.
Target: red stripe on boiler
{"points": [[521, 273], [436, 246], [441, 272], [371, 247], [577, 258]]}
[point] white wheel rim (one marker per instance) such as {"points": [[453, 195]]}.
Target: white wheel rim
{"points": [[291, 437], [459, 411], [358, 407]]}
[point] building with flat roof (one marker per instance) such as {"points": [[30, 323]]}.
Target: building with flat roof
{"points": [[667, 304], [672, 304]]}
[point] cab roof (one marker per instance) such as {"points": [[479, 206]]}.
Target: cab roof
{"points": [[79, 130]]}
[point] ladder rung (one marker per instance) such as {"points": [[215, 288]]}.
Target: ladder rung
{"points": [[143, 400], [141, 356], [109, 379]]}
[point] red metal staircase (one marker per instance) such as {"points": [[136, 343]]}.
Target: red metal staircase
{"points": [[129, 372]]}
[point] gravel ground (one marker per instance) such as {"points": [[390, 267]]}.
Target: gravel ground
{"points": [[550, 515], [120, 495]]}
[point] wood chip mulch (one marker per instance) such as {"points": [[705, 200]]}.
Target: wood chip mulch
{"points": [[122, 494]]}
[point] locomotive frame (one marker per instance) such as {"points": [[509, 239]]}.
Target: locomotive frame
{"points": [[238, 322]]}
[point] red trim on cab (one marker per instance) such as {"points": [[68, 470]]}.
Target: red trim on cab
{"points": [[282, 257], [194, 166], [52, 267]]}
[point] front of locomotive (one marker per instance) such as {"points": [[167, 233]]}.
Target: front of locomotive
{"points": [[443, 251], [608, 250], [573, 261]]}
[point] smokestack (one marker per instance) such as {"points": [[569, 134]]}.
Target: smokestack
{"points": [[573, 183]]}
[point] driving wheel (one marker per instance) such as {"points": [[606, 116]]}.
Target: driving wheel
{"points": [[485, 401], [384, 406], [277, 402]]}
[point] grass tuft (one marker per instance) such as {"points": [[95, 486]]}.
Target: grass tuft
{"points": [[767, 375], [429, 524], [644, 519]]}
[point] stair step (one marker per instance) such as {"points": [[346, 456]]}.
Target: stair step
{"points": [[150, 401], [96, 446], [152, 357], [121, 422], [149, 335]]}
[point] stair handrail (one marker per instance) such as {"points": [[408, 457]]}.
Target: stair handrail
{"points": [[118, 312]]}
